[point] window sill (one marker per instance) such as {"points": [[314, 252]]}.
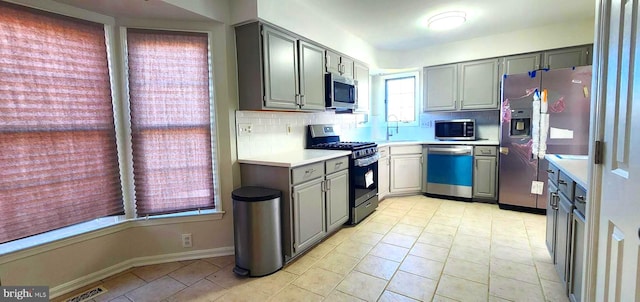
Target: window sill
{"points": [[36, 244]]}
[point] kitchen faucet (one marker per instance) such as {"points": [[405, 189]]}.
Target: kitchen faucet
{"points": [[390, 129]]}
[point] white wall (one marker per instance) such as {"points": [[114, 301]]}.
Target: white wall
{"points": [[521, 41], [298, 17], [74, 262], [217, 10]]}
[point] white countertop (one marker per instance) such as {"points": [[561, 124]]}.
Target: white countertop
{"points": [[438, 142], [294, 159], [575, 166]]}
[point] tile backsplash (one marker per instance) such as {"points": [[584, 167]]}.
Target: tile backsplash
{"points": [[275, 132]]}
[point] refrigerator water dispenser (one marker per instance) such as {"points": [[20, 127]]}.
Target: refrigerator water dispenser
{"points": [[520, 123]]}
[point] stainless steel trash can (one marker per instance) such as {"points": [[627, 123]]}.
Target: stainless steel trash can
{"points": [[257, 231]]}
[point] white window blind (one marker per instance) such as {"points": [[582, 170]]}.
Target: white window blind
{"points": [[171, 122], [58, 161]]}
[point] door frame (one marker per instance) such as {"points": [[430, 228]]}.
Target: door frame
{"points": [[597, 131]]}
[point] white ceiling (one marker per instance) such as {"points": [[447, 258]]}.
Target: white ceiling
{"points": [[147, 9], [391, 24], [396, 24]]}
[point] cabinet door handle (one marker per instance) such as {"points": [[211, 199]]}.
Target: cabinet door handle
{"points": [[562, 182], [581, 199], [553, 200], [328, 184], [551, 171], [310, 171]]}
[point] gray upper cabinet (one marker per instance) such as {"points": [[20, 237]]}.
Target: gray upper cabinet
{"points": [[347, 67], [311, 76], [521, 63], [478, 85], [278, 70], [463, 86], [333, 62], [441, 88], [339, 64], [552, 59], [567, 57], [361, 75]]}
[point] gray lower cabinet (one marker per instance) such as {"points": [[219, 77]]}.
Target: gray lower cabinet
{"points": [[384, 166], [309, 223], [337, 199], [485, 172], [563, 235], [552, 219], [278, 70], [577, 257], [315, 199], [406, 169]]}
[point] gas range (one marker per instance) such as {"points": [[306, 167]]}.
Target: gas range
{"points": [[363, 169], [325, 137], [358, 149]]}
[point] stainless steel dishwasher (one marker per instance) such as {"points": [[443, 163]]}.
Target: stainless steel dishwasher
{"points": [[450, 170]]}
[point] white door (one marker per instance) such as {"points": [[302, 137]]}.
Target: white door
{"points": [[619, 89]]}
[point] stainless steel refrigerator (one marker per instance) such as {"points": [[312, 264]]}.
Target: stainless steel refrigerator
{"points": [[523, 176]]}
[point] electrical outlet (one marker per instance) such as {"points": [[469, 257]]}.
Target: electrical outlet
{"points": [[244, 129], [186, 240], [425, 123], [288, 129]]}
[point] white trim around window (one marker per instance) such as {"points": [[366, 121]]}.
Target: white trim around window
{"points": [[418, 95]]}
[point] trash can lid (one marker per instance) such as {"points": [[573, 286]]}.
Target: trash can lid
{"points": [[254, 194]]}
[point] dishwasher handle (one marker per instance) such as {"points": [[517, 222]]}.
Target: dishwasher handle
{"points": [[450, 151]]}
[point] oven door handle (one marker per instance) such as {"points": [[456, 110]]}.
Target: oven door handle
{"points": [[363, 162]]}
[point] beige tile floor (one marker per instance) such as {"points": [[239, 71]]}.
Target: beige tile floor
{"points": [[411, 249]]}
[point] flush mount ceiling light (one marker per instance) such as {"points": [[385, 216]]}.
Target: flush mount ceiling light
{"points": [[447, 20]]}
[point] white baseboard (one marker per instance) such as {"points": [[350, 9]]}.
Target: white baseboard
{"points": [[140, 261]]}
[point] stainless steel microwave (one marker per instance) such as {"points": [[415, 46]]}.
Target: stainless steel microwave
{"points": [[340, 92], [459, 130]]}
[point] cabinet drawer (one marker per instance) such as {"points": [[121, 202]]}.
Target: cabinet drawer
{"points": [[579, 199], [566, 185], [485, 150], [409, 149], [552, 173], [337, 164], [383, 152], [308, 172]]}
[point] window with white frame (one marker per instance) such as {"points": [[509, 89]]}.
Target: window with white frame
{"points": [[400, 98], [170, 119], [60, 163]]}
